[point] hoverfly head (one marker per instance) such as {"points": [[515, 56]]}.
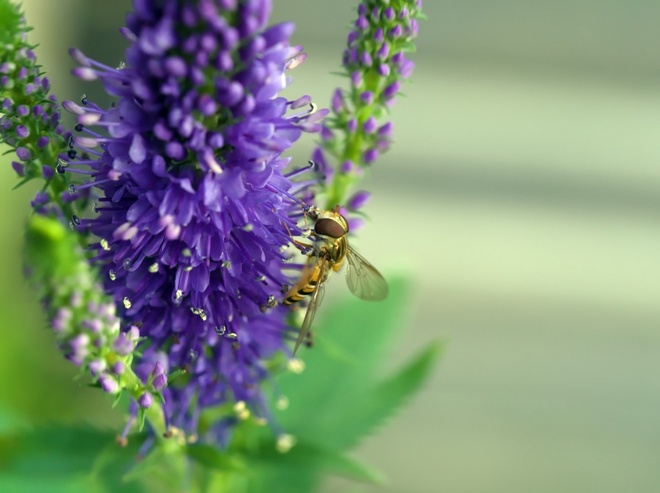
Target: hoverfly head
{"points": [[331, 224]]}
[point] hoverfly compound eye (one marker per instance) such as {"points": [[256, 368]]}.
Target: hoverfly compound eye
{"points": [[328, 227]]}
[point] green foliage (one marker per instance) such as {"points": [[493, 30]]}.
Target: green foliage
{"points": [[374, 69], [59, 270], [41, 140], [66, 459], [339, 399], [10, 21]]}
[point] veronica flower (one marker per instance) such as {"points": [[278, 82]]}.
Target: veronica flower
{"points": [[30, 121], [84, 319], [195, 209], [376, 64], [82, 316]]}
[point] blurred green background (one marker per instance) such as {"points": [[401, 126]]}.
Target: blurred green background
{"points": [[523, 195]]}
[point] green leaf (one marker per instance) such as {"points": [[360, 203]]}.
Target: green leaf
{"points": [[352, 341], [384, 399], [53, 452], [341, 396], [62, 459]]}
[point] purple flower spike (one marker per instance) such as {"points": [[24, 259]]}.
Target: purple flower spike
{"points": [[194, 207], [375, 61]]}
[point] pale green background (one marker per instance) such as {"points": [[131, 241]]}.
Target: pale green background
{"points": [[523, 195]]}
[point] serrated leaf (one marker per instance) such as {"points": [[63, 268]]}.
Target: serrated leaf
{"points": [[341, 397], [352, 341], [384, 399]]}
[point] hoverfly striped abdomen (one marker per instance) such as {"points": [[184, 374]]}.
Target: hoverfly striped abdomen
{"points": [[305, 287]]}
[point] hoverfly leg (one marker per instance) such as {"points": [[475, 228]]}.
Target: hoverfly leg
{"points": [[302, 246]]}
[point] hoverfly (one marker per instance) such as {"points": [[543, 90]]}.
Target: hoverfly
{"points": [[328, 253]]}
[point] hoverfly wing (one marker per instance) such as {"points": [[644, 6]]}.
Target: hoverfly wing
{"points": [[314, 303], [363, 279]]}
